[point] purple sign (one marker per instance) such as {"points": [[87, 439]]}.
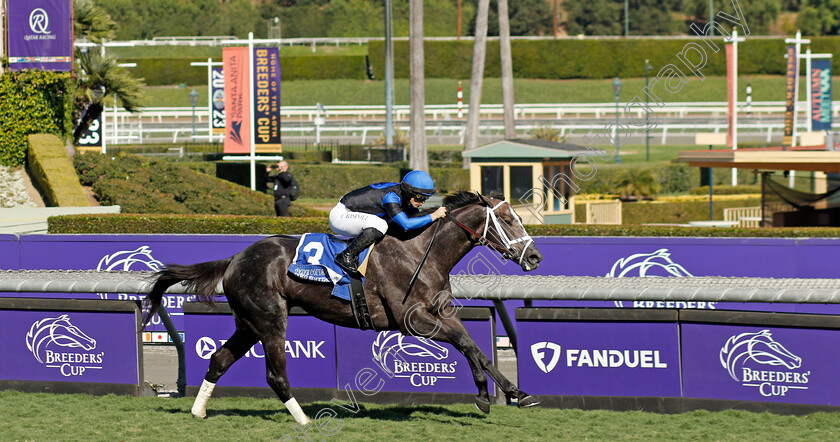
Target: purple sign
{"points": [[310, 352], [40, 34], [69, 346], [409, 363], [768, 364], [599, 358], [128, 252], [9, 252]]}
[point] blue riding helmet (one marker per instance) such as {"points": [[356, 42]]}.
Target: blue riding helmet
{"points": [[418, 184]]}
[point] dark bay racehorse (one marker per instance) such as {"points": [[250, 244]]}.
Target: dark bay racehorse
{"points": [[260, 292]]}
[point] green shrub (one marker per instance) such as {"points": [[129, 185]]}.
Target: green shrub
{"points": [[139, 185], [32, 102], [723, 189], [52, 171]]}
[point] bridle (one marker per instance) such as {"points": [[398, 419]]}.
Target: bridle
{"points": [[505, 244]]}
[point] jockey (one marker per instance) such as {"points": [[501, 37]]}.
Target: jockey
{"points": [[364, 213]]}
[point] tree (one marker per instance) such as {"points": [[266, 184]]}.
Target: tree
{"points": [[819, 17], [100, 76], [594, 17], [635, 183], [758, 14], [527, 17]]}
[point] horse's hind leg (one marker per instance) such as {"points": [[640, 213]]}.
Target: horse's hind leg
{"points": [[274, 343], [235, 347]]}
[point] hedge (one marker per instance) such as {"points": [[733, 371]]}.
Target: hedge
{"points": [[647, 212], [51, 169], [221, 224], [170, 71], [329, 181], [32, 102], [589, 58]]}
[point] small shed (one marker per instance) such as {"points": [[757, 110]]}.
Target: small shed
{"points": [[534, 175]]}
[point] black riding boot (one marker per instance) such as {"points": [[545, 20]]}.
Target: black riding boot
{"points": [[348, 259]]}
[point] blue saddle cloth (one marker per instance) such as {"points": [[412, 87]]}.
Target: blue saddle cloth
{"points": [[315, 261]]}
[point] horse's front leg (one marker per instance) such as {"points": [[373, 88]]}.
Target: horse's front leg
{"points": [[452, 331]]}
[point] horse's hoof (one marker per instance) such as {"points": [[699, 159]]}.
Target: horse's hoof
{"points": [[200, 416], [482, 404], [528, 401]]}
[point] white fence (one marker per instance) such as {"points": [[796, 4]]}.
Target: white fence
{"points": [[603, 212]]}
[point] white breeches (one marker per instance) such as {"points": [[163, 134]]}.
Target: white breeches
{"points": [[345, 222]]}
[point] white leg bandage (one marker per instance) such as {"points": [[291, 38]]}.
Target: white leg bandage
{"points": [[199, 408], [296, 412]]}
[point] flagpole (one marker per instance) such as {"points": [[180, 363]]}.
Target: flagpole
{"points": [[251, 103]]}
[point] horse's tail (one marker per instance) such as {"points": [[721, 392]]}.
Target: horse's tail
{"points": [[200, 279]]}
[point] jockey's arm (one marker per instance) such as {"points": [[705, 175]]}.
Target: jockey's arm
{"points": [[391, 203]]}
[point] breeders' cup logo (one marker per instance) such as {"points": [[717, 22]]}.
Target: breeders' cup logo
{"points": [[422, 361], [538, 353], [653, 265], [51, 339], [748, 355], [139, 259], [39, 21]]}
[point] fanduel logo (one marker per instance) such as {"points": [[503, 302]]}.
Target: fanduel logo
{"points": [[590, 358], [538, 353], [745, 355], [39, 21], [46, 338]]}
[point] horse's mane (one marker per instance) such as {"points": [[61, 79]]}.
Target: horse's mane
{"points": [[460, 198]]}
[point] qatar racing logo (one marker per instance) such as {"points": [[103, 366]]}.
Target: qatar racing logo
{"points": [[48, 340], [538, 353], [646, 265], [139, 259], [745, 357], [39, 21], [397, 353]]}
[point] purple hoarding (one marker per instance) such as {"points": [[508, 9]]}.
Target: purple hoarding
{"points": [[409, 363], [768, 364], [69, 346], [127, 252], [9, 252], [599, 358], [310, 352], [40, 34]]}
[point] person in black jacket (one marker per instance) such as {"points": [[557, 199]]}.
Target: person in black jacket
{"points": [[280, 182]]}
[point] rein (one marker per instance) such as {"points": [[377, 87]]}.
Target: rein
{"points": [[422, 261], [483, 240]]}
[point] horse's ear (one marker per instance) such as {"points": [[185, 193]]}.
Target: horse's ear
{"points": [[497, 196]]}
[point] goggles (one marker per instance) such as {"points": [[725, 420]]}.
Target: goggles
{"points": [[420, 197]]}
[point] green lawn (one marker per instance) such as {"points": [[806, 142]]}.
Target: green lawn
{"points": [[444, 91], [82, 417]]}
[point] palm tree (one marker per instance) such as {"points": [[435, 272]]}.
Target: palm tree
{"points": [[100, 76], [635, 183]]}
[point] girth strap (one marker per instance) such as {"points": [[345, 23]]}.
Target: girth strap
{"points": [[358, 304]]}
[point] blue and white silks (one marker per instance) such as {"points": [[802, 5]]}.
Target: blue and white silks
{"points": [[315, 261]]}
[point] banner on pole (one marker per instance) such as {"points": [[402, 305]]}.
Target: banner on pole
{"points": [[237, 100], [820, 94], [267, 100], [790, 92], [730, 95], [217, 99], [40, 35]]}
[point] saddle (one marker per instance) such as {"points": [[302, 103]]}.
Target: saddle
{"points": [[314, 260]]}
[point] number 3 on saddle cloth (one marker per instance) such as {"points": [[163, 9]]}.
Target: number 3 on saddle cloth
{"points": [[315, 261]]}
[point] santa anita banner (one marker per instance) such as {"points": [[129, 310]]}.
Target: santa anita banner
{"points": [[237, 102], [40, 34]]}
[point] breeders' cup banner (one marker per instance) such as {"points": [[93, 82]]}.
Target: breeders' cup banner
{"points": [[40, 34], [267, 98], [820, 94], [665, 257], [791, 78], [68, 346], [396, 362], [310, 352], [777, 364]]}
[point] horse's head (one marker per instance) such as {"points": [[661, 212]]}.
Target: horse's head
{"points": [[138, 259], [58, 331], [658, 263], [495, 224], [759, 347]]}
